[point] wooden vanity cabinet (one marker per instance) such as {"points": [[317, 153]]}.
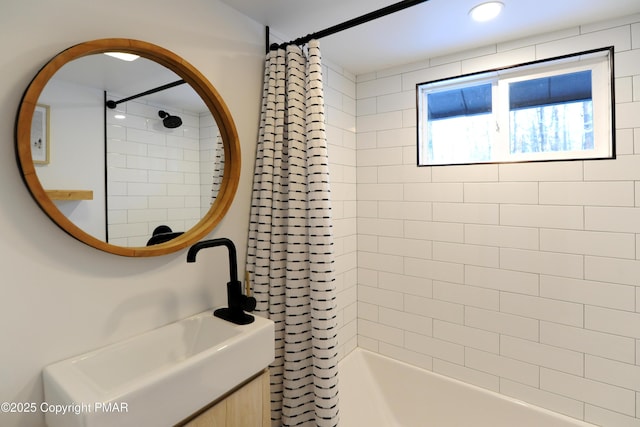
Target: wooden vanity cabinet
{"points": [[246, 406]]}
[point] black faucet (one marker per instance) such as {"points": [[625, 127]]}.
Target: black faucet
{"points": [[237, 302]]}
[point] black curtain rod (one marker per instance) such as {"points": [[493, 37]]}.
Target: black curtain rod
{"points": [[112, 104], [396, 7]]}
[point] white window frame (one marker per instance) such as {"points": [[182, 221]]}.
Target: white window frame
{"points": [[599, 61]]}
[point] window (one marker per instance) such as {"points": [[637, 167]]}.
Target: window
{"points": [[557, 109]]}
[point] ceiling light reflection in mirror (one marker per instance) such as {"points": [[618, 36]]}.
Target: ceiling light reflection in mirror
{"points": [[486, 11]]}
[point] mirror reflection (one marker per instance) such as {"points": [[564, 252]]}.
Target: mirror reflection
{"points": [[137, 144]]}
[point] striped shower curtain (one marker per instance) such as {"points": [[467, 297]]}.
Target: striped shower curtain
{"points": [[290, 249], [218, 168]]}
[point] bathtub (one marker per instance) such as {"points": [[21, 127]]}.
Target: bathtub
{"points": [[382, 392]]}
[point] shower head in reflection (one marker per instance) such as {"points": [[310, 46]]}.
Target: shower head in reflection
{"points": [[169, 121]]}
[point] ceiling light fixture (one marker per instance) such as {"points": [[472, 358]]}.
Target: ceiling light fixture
{"points": [[486, 11], [122, 55]]}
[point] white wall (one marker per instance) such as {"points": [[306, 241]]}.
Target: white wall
{"points": [[520, 278], [76, 148], [60, 297]]}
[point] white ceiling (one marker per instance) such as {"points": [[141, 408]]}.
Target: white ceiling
{"points": [[433, 28], [127, 79]]}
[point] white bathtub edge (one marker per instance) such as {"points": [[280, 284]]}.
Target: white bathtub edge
{"points": [[367, 357]]}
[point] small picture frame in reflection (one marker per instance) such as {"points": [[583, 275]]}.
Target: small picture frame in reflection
{"points": [[40, 143]]}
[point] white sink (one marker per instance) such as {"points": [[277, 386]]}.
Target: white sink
{"points": [[157, 378]]}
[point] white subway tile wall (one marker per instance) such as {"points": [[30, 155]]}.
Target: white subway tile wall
{"points": [[520, 278], [157, 175], [340, 116]]}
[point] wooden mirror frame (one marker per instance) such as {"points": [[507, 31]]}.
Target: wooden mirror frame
{"points": [[195, 79]]}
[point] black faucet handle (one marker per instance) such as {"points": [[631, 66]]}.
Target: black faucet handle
{"points": [[248, 303]]}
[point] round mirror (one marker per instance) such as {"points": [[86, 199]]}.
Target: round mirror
{"points": [[136, 156]]}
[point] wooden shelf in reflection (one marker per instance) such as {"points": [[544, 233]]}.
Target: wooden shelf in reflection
{"points": [[70, 194]]}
